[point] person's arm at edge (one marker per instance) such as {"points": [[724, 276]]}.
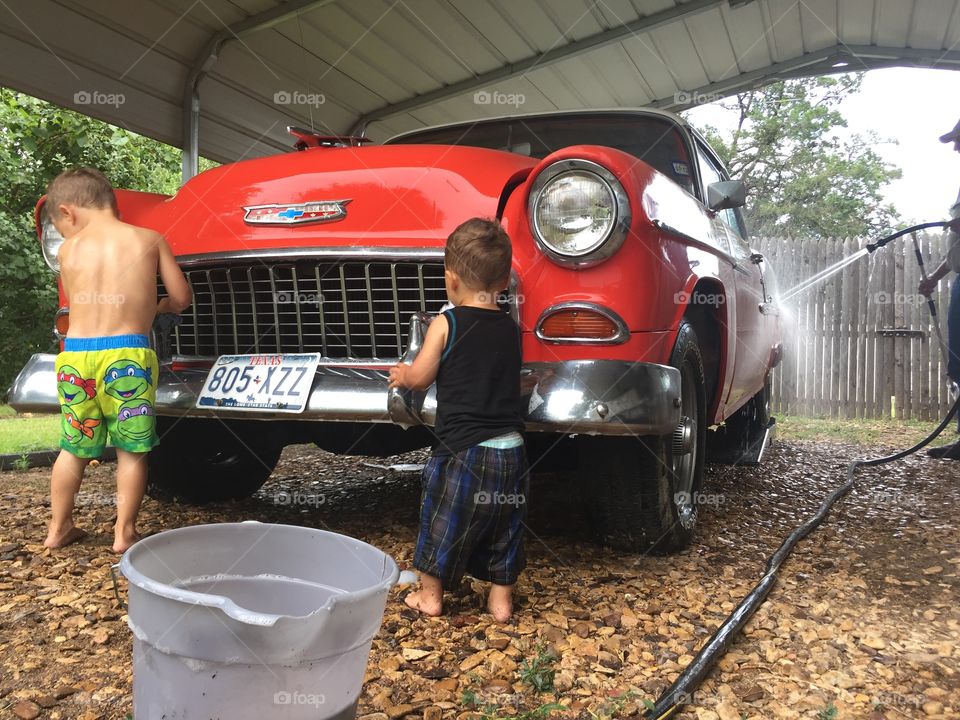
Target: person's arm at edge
{"points": [[421, 374], [927, 286], [179, 296]]}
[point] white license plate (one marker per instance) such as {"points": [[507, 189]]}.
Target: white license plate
{"points": [[278, 383]]}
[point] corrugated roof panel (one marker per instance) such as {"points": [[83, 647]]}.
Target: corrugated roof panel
{"points": [[107, 53], [279, 65], [494, 29], [653, 69], [951, 38], [713, 45], [364, 56], [638, 92], [312, 73], [785, 28], [433, 115], [557, 87], [676, 48], [371, 24], [818, 20], [397, 27], [281, 91], [227, 144], [616, 13], [930, 21], [856, 20], [141, 112], [585, 81], [217, 14], [252, 7], [319, 31], [537, 30], [167, 30], [747, 36], [507, 97], [471, 48], [359, 56], [615, 73], [646, 8], [893, 22], [574, 19]]}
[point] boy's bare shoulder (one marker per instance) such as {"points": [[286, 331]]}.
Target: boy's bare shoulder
{"points": [[145, 236], [66, 247]]}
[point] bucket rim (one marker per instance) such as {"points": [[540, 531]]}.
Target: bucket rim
{"points": [[251, 617]]}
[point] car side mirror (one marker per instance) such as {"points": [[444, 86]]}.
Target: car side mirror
{"points": [[726, 194]]}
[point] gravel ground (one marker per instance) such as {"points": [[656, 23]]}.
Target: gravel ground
{"points": [[863, 624]]}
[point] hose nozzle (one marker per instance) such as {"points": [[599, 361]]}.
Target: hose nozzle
{"points": [[900, 233]]}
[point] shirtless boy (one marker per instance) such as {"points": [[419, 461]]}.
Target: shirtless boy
{"points": [[107, 372]]}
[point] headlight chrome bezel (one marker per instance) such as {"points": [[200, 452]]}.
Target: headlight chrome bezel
{"points": [[50, 235], [618, 229]]}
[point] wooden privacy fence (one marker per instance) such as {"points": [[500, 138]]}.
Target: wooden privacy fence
{"points": [[860, 344]]}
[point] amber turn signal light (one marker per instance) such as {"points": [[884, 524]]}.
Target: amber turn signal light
{"points": [[578, 324]]}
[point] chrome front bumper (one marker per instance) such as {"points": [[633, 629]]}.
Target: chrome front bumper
{"points": [[595, 397]]}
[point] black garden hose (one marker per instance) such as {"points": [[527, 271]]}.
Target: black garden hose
{"points": [[681, 691]]}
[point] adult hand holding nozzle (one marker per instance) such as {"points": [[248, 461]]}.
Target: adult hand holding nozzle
{"points": [[929, 282]]}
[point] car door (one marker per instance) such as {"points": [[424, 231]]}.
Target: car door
{"points": [[750, 358]]}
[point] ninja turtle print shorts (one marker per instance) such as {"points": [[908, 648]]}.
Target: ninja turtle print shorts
{"points": [[107, 386]]}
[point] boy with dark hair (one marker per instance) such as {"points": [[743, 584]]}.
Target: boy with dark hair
{"points": [[107, 373], [476, 481]]}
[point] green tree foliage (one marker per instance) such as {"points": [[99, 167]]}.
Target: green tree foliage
{"points": [[805, 177], [37, 141]]}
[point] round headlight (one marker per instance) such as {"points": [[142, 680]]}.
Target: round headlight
{"points": [[50, 242], [579, 212]]}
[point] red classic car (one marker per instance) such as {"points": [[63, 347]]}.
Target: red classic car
{"points": [[646, 318]]}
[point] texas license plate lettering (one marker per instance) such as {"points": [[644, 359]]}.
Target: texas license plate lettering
{"points": [[260, 382]]}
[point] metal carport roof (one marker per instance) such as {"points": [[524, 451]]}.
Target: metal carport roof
{"points": [[385, 66]]}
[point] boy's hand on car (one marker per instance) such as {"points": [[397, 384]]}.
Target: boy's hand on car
{"points": [[398, 375]]}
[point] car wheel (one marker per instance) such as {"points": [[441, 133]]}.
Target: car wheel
{"points": [[641, 493], [201, 461], [736, 442]]}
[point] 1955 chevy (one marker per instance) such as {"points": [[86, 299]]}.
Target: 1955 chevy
{"points": [[646, 318]]}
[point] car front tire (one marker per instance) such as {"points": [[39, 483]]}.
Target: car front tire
{"points": [[202, 461], [641, 493]]}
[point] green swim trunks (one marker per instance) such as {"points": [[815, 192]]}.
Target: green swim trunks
{"points": [[107, 385]]}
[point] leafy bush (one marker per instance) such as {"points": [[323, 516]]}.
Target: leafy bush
{"points": [[37, 141]]}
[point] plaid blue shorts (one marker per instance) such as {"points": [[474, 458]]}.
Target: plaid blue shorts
{"points": [[472, 513]]}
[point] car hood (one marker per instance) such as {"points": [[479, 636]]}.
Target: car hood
{"points": [[398, 196]]}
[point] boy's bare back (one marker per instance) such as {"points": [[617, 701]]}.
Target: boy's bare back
{"points": [[109, 273]]}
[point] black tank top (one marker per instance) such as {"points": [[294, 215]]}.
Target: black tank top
{"points": [[478, 382]]}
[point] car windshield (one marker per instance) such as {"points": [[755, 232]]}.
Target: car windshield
{"points": [[655, 140]]}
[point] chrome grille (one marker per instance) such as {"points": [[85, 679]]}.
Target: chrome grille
{"points": [[353, 310]]}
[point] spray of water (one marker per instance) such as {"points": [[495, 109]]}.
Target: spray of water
{"points": [[824, 274]]}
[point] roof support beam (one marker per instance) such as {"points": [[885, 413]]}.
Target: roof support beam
{"points": [[206, 59], [554, 55]]}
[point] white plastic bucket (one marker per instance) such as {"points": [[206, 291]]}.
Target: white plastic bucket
{"points": [[252, 621]]}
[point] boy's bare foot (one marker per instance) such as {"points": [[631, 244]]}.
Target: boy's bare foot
{"points": [[425, 602], [123, 539], [429, 598], [500, 602], [62, 538]]}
